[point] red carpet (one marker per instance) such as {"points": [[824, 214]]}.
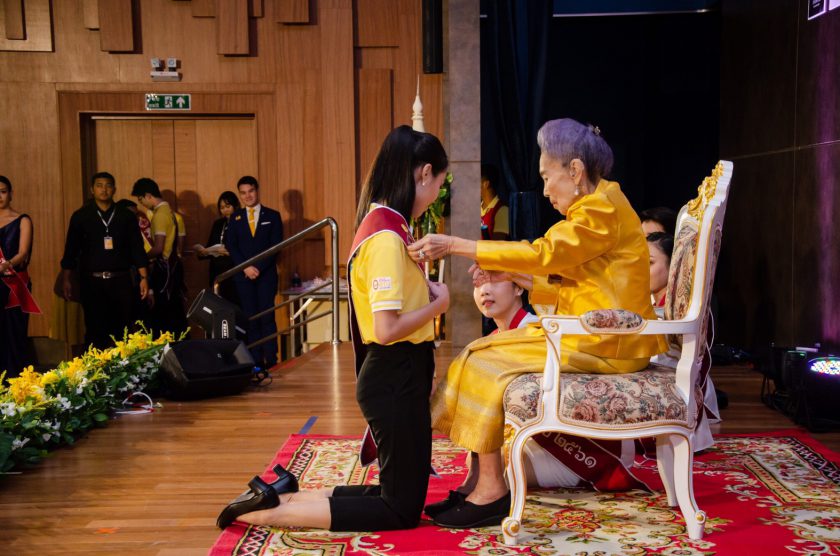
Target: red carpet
{"points": [[763, 493]]}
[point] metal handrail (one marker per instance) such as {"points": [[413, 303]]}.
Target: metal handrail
{"points": [[271, 252]]}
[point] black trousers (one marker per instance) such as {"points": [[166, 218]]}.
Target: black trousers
{"points": [[393, 391], [256, 296], [109, 306]]}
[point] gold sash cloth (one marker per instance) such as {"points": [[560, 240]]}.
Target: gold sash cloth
{"points": [[595, 259], [467, 404]]}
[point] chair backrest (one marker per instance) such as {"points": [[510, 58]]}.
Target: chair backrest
{"points": [[696, 248]]}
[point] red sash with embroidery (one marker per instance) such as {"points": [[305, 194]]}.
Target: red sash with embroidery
{"points": [[19, 294], [379, 220]]}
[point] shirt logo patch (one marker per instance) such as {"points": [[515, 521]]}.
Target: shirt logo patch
{"points": [[381, 284]]}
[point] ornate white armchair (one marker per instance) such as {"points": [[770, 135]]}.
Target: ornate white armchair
{"points": [[656, 402]]}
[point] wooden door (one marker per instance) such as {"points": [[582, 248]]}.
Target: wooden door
{"points": [[192, 160]]}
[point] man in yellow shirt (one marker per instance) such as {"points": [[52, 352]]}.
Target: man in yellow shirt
{"points": [[167, 312]]}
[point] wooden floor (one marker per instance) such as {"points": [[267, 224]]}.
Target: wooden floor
{"points": [[154, 484]]}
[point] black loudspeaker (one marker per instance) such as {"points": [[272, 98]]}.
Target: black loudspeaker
{"points": [[432, 36], [219, 318], [195, 369]]}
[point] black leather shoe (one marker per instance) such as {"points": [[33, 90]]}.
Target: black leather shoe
{"points": [[260, 497], [286, 482], [450, 501], [469, 515]]}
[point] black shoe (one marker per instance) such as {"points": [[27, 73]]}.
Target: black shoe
{"points": [[450, 501], [468, 515], [260, 497], [286, 482]]}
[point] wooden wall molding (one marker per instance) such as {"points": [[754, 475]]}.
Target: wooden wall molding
{"points": [[292, 11], [30, 24], [15, 24], [116, 25]]}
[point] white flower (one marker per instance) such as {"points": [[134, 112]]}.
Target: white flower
{"points": [[7, 409], [46, 436], [17, 443], [124, 362]]}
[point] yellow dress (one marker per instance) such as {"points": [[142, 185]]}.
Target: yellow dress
{"points": [[595, 259]]}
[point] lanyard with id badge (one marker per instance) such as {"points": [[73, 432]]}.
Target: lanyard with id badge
{"points": [[109, 241]]}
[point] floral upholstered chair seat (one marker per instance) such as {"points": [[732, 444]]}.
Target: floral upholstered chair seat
{"points": [[646, 396]]}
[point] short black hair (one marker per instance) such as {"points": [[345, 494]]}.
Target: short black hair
{"points": [[250, 180], [663, 241], [491, 174], [230, 198], [145, 185], [663, 216], [126, 203], [106, 175], [4, 179]]}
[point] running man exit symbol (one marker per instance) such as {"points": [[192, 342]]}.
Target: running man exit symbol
{"points": [[168, 102]]}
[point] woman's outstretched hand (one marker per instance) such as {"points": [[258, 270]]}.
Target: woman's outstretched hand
{"points": [[439, 294], [430, 247]]}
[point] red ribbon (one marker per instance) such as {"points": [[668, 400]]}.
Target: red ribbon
{"points": [[19, 294]]}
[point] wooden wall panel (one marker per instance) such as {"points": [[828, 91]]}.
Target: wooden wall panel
{"points": [[13, 16], [375, 115], [116, 25], [29, 157], [256, 8], [115, 139], [90, 14], [38, 34], [232, 27], [375, 23], [203, 8], [291, 11], [335, 19]]}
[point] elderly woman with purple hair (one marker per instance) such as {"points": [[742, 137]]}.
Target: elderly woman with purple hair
{"points": [[597, 258]]}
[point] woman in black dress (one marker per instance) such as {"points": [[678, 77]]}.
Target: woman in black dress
{"points": [[16, 245], [227, 204]]}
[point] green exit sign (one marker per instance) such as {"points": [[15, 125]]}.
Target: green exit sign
{"points": [[167, 102]]}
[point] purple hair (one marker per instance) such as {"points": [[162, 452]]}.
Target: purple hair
{"points": [[567, 139]]}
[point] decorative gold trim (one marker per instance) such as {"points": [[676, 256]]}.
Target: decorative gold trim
{"points": [[705, 193]]}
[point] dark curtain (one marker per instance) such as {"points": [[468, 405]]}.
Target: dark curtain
{"points": [[514, 58]]}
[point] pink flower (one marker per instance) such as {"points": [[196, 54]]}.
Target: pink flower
{"points": [[597, 388], [585, 411]]}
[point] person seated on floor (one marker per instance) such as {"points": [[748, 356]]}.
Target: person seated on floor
{"points": [[393, 307], [594, 259], [658, 219], [660, 245]]}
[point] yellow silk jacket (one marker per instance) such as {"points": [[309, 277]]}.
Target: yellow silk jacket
{"points": [[595, 259]]}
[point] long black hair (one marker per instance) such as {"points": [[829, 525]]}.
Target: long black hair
{"points": [[391, 177], [230, 198]]}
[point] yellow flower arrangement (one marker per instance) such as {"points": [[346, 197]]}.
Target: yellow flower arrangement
{"points": [[41, 411], [27, 386]]}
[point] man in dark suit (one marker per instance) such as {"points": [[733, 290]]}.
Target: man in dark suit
{"points": [[253, 229]]}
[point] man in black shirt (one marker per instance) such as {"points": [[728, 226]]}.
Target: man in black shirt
{"points": [[104, 244]]}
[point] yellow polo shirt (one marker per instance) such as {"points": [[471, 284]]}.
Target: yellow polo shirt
{"points": [[163, 224], [384, 278]]}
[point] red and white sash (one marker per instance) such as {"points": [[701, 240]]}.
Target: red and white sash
{"points": [[380, 219], [19, 294]]}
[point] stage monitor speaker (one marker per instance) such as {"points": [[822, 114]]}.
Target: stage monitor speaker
{"points": [[220, 318], [432, 36], [195, 369]]}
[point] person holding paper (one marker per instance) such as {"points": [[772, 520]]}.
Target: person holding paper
{"points": [[215, 252]]}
